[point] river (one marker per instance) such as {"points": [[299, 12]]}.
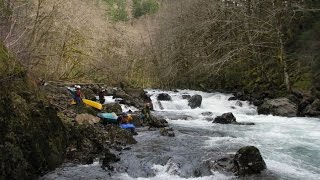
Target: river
{"points": [[289, 146]]}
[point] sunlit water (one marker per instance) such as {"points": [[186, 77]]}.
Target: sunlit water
{"points": [[290, 146]]}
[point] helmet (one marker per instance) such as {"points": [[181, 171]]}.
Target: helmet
{"points": [[77, 86]]}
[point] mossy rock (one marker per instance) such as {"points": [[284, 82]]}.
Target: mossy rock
{"points": [[33, 138]]}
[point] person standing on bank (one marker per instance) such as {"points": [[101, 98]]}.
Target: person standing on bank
{"points": [[101, 95], [78, 95]]}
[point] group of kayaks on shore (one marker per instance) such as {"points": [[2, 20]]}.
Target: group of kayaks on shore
{"points": [[123, 120]]}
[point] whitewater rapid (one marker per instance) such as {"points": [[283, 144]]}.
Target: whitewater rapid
{"points": [[289, 146]]}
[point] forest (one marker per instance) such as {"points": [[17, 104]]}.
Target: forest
{"points": [[231, 45]]}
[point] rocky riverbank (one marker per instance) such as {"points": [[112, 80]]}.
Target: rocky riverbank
{"points": [[40, 130], [295, 104]]}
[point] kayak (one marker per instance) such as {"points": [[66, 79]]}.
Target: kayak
{"points": [[127, 126], [89, 103], [108, 117], [92, 103]]}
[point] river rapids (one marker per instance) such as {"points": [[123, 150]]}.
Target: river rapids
{"points": [[289, 146]]}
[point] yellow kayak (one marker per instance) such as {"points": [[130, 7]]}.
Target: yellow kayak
{"points": [[89, 103]]}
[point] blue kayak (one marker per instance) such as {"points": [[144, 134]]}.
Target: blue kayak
{"points": [[127, 126], [108, 117]]}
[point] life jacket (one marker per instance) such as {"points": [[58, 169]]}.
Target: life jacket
{"points": [[78, 93], [126, 119]]}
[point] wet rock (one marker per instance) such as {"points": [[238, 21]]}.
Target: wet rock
{"points": [[209, 119], [225, 164], [312, 110], [232, 98], [208, 113], [158, 123], [112, 107], [109, 158], [164, 97], [226, 118], [257, 102], [138, 97], [248, 160], [239, 103], [167, 132], [186, 96], [195, 101], [278, 107], [86, 119]]}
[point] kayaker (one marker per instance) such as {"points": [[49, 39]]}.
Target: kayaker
{"points": [[124, 118], [78, 95], [101, 95]]}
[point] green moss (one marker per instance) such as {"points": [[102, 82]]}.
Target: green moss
{"points": [[33, 138], [304, 83]]}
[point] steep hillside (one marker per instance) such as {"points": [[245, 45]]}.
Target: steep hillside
{"points": [[32, 137]]}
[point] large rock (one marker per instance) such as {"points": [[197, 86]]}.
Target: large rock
{"points": [[164, 97], [248, 160], [112, 107], [312, 110], [33, 138], [278, 107], [108, 159], [88, 141], [166, 131], [195, 101], [86, 119], [226, 118], [133, 97], [186, 96], [157, 122]]}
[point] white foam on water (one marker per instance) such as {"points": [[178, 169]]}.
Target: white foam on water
{"points": [[291, 146], [167, 172], [108, 99]]}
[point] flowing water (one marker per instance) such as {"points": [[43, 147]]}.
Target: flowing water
{"points": [[289, 146]]}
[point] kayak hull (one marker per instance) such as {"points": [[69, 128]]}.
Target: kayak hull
{"points": [[92, 104], [108, 118], [127, 126]]}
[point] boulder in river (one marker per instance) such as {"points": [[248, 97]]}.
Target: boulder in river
{"points": [[312, 109], [248, 160], [195, 101], [186, 96], [278, 107], [207, 113], [112, 107], [166, 131], [164, 97], [226, 118], [109, 158], [157, 122]]}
